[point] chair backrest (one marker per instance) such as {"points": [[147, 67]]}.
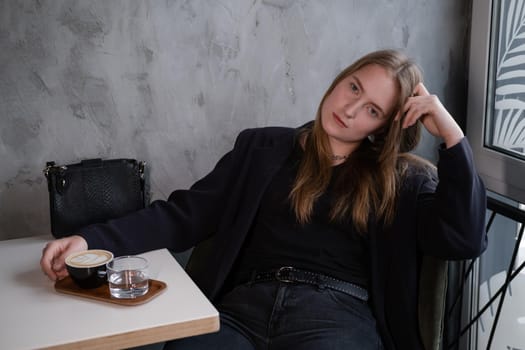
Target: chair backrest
{"points": [[432, 301], [197, 260]]}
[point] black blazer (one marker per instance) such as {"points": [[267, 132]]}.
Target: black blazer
{"points": [[444, 220]]}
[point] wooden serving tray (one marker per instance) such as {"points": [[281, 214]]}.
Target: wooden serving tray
{"points": [[101, 293]]}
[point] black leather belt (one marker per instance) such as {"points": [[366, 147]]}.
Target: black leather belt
{"points": [[289, 274]]}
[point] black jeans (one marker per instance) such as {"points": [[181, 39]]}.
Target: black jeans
{"points": [[277, 315]]}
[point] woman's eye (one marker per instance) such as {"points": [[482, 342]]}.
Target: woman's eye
{"points": [[373, 112], [354, 88]]}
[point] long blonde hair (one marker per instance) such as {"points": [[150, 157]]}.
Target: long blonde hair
{"points": [[370, 179]]}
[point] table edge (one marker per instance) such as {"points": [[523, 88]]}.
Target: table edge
{"points": [[146, 336]]}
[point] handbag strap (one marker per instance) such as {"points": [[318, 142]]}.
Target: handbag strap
{"points": [[91, 162]]}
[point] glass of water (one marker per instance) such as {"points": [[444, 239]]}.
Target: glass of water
{"points": [[128, 277]]}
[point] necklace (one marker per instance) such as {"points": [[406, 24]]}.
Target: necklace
{"points": [[338, 157]]}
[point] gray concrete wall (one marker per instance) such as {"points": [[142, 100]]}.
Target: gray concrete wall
{"points": [[172, 82]]}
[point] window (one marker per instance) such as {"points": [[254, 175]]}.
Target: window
{"points": [[505, 113], [496, 130], [496, 105]]}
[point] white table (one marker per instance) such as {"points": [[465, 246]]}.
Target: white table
{"points": [[35, 316]]}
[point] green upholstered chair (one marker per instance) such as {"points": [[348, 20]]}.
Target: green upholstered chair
{"points": [[432, 301]]}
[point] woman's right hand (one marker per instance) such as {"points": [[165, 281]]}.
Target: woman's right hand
{"points": [[55, 253]]}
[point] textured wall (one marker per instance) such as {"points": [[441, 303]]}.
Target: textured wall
{"points": [[172, 82]]}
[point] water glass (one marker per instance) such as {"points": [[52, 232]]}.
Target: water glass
{"points": [[128, 277]]}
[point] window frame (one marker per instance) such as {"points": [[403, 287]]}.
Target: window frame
{"points": [[502, 173]]}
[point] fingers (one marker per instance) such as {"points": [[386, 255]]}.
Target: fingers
{"points": [[61, 274], [54, 254], [46, 261], [418, 107], [59, 265], [415, 107], [428, 109], [420, 90], [52, 261]]}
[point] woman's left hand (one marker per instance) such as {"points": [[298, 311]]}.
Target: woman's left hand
{"points": [[428, 109]]}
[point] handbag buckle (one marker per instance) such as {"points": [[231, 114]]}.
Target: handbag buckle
{"points": [[142, 166], [51, 167]]}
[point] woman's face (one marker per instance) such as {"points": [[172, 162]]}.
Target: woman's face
{"points": [[358, 106]]}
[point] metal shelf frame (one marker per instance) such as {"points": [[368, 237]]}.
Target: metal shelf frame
{"points": [[497, 207]]}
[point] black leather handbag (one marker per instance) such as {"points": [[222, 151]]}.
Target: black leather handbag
{"points": [[93, 191]]}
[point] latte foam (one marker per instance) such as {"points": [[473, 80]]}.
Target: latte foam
{"points": [[89, 258]]}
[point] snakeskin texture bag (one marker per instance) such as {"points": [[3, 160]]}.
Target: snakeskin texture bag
{"points": [[93, 191]]}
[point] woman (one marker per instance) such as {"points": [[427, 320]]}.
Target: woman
{"points": [[317, 233]]}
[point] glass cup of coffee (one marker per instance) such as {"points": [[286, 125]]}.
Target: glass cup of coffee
{"points": [[87, 268], [128, 277]]}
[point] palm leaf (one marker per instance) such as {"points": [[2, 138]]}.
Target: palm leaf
{"points": [[513, 61], [509, 89], [519, 73], [518, 133], [514, 24], [504, 129], [510, 103], [518, 49], [510, 19], [511, 128], [508, 128], [520, 140], [497, 128]]}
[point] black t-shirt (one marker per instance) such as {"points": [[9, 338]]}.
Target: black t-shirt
{"points": [[323, 246]]}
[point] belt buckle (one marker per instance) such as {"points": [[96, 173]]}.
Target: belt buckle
{"points": [[283, 270]]}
